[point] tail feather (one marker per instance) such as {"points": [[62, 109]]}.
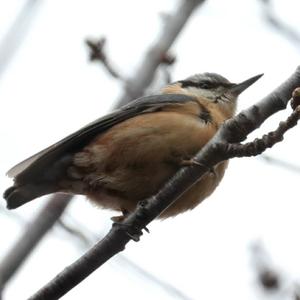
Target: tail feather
{"points": [[16, 196]]}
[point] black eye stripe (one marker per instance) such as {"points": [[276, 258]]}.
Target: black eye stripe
{"points": [[205, 84], [202, 84]]}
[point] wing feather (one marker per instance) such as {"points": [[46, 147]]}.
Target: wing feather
{"points": [[72, 143]]}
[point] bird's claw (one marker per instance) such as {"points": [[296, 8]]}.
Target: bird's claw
{"points": [[128, 230], [118, 221]]}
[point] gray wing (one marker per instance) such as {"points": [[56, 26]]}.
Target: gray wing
{"points": [[46, 158]]}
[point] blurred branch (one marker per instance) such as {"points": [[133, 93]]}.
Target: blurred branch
{"points": [[296, 292], [232, 132], [270, 278], [167, 60], [74, 232], [32, 234], [267, 275], [163, 74], [153, 58], [16, 34], [97, 53], [284, 29], [280, 163], [170, 289], [89, 238], [133, 89]]}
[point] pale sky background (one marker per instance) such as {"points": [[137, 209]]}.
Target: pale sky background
{"points": [[50, 90]]}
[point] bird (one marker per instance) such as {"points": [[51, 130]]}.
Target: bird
{"points": [[126, 156]]}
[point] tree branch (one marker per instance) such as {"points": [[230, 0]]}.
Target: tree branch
{"points": [[234, 130], [88, 239], [281, 163], [258, 146], [274, 21], [14, 37], [156, 55], [153, 58]]}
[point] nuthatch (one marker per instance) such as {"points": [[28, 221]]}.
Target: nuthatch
{"points": [[127, 156]]}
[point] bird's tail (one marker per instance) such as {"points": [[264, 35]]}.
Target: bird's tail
{"points": [[16, 196]]}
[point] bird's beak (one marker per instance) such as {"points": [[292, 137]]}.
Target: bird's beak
{"points": [[238, 88]]}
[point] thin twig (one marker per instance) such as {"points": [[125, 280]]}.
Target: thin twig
{"points": [[169, 288], [163, 74], [258, 146], [295, 103], [296, 292], [234, 130], [134, 88], [281, 163], [97, 53], [274, 21], [74, 232], [13, 38]]}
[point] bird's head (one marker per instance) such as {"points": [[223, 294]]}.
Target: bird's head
{"points": [[212, 87], [215, 87]]}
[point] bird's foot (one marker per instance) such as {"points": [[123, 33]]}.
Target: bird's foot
{"points": [[133, 233]]}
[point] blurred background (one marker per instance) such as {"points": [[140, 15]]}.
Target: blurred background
{"points": [[241, 243]]}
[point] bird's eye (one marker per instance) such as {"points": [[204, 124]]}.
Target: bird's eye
{"points": [[205, 85]]}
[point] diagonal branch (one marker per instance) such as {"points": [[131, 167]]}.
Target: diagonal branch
{"points": [[234, 130], [134, 88], [14, 37], [88, 239], [281, 163], [280, 26]]}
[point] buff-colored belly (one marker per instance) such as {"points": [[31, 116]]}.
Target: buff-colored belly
{"points": [[197, 193], [132, 161]]}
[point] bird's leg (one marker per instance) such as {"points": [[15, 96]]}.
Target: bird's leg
{"points": [[128, 229]]}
